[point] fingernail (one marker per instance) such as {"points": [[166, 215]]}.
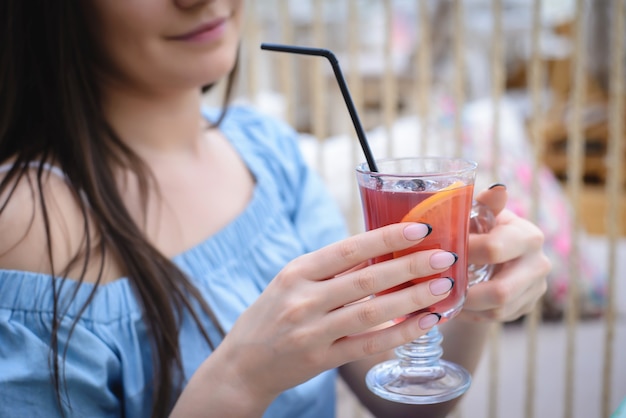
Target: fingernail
{"points": [[441, 286], [443, 259], [493, 186], [417, 231], [429, 320]]}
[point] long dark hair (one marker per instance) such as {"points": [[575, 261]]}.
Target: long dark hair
{"points": [[50, 112]]}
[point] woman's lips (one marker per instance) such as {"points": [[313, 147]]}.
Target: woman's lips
{"points": [[206, 32]]}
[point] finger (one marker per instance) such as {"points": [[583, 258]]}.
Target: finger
{"points": [[378, 277], [375, 342], [495, 247], [498, 291], [494, 198], [509, 284], [509, 312], [346, 254], [361, 316]]}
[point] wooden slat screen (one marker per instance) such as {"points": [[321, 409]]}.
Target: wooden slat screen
{"points": [[390, 92]]}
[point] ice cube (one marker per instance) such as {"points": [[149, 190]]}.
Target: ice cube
{"points": [[413, 185]]}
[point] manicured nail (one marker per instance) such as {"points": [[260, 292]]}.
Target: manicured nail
{"points": [[443, 259], [493, 186], [414, 232], [441, 286], [429, 320]]}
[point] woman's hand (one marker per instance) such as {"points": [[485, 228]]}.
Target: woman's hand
{"points": [[515, 246], [316, 314], [519, 280]]}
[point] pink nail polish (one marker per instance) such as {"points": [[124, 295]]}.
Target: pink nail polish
{"points": [[441, 286], [429, 320], [443, 259], [417, 231]]}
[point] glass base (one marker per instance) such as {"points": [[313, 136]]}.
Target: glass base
{"points": [[418, 385]]}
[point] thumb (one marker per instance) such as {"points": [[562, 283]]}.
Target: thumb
{"points": [[494, 198]]}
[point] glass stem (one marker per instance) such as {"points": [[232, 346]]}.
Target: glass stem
{"points": [[422, 354]]}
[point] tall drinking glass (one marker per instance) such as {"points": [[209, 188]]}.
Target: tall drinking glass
{"points": [[439, 192]]}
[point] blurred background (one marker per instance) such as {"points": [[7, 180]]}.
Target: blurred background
{"points": [[534, 91]]}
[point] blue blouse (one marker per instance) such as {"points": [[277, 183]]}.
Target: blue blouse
{"points": [[108, 367]]}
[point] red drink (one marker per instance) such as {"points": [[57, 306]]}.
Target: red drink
{"points": [[437, 191], [446, 210]]}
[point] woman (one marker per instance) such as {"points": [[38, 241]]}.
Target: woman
{"points": [[159, 260]]}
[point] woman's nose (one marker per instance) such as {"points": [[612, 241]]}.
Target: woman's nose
{"points": [[188, 4]]}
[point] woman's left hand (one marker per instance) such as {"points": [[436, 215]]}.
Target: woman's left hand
{"points": [[515, 247]]}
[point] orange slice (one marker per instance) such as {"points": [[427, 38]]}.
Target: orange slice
{"points": [[421, 210], [435, 210]]}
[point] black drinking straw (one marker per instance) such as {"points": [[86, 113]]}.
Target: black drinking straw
{"points": [[342, 86]]}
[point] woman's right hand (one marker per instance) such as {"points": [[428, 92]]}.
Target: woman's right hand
{"points": [[316, 314]]}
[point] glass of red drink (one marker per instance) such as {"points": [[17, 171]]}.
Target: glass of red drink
{"points": [[437, 191]]}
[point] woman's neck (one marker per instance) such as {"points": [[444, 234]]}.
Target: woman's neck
{"points": [[156, 125]]}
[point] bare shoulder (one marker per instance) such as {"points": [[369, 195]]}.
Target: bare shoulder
{"points": [[39, 220]]}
